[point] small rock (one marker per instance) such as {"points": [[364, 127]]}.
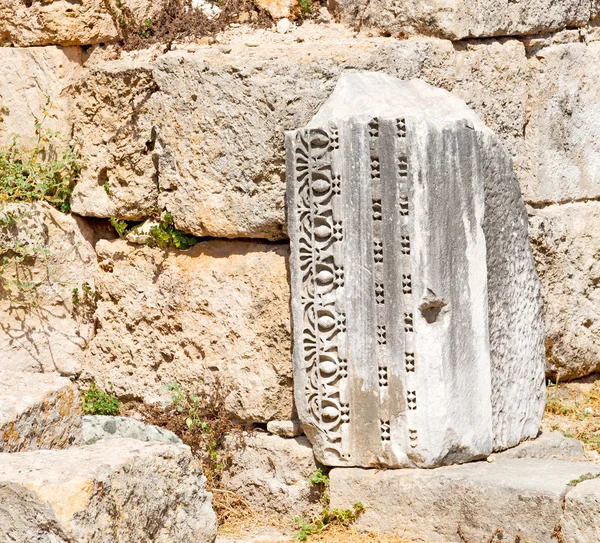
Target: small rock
{"points": [[285, 428], [100, 427], [141, 233], [244, 17], [284, 26], [225, 49]]}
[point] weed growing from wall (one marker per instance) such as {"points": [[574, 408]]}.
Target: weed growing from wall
{"points": [[32, 174], [166, 235]]}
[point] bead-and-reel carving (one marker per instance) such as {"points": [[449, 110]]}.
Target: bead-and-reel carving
{"points": [[321, 231]]}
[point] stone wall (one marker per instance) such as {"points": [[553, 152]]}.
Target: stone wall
{"points": [[198, 131]]}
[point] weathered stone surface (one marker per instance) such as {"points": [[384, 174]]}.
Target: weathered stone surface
{"points": [[58, 22], [42, 330], [97, 427], [562, 155], [566, 246], [218, 310], [28, 75], [548, 445], [229, 182], [406, 344], [523, 496], [463, 19], [581, 520], [114, 122], [280, 8], [272, 473], [285, 428], [117, 490], [61, 22], [38, 412]]}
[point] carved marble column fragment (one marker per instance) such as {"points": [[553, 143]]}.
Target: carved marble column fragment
{"points": [[416, 306]]}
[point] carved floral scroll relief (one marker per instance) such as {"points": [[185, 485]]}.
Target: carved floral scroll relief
{"points": [[352, 291]]}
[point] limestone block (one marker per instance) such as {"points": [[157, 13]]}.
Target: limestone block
{"points": [[272, 473], [62, 22], [523, 496], [113, 119], [219, 119], [562, 143], [463, 19], [416, 306], [97, 427], [566, 246], [548, 445], [285, 428], [41, 330], [581, 521], [220, 309], [117, 490], [38, 412], [28, 75]]}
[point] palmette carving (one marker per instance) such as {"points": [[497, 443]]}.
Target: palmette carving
{"points": [[321, 233], [332, 365]]}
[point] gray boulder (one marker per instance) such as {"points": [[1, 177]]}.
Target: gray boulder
{"points": [[99, 427]]}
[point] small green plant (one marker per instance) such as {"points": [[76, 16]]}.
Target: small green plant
{"points": [[321, 481], [306, 7], [194, 408], [166, 235], [120, 226], [96, 402], [318, 478], [328, 517], [106, 187], [146, 29], [188, 404], [584, 477], [30, 174]]}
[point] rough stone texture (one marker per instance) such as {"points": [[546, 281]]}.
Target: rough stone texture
{"points": [[62, 22], [581, 521], [97, 427], [523, 496], [562, 155], [120, 491], [38, 412], [113, 121], [58, 22], [40, 329], [464, 19], [280, 8], [285, 428], [566, 245], [230, 181], [548, 445], [391, 189], [272, 473], [218, 309], [27, 76]]}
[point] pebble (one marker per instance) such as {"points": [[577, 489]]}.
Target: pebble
{"points": [[283, 26]]}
